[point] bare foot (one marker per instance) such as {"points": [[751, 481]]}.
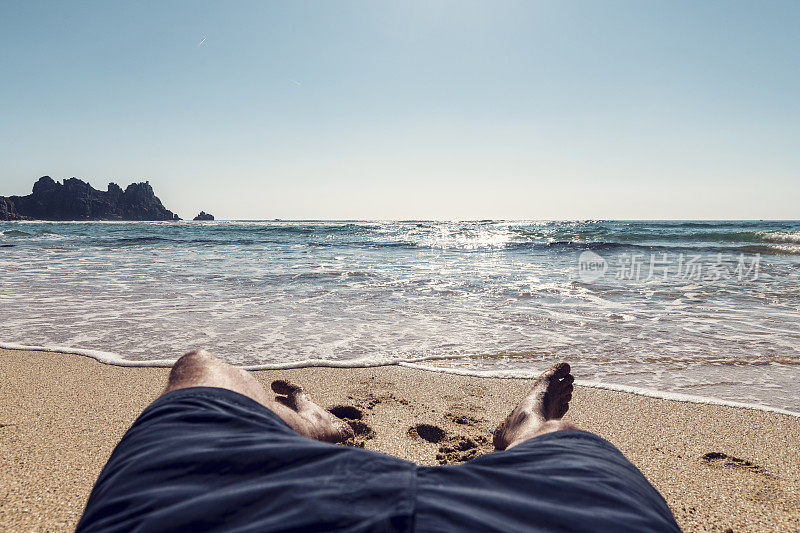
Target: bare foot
{"points": [[315, 422], [540, 411]]}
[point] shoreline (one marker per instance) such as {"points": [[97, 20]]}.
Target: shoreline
{"points": [[113, 359], [718, 467]]}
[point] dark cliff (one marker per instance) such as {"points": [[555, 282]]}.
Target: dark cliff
{"points": [[77, 200]]}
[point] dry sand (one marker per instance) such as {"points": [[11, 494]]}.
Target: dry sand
{"points": [[61, 415]]}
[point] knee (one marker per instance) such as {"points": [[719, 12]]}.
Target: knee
{"points": [[191, 366], [195, 357], [199, 368]]}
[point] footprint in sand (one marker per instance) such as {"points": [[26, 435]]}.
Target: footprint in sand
{"points": [[462, 419], [460, 449], [723, 459], [427, 432], [362, 432], [368, 400], [452, 448]]}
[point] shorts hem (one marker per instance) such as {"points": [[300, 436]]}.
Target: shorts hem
{"points": [[214, 393]]}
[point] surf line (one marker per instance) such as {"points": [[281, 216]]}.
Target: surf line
{"points": [[111, 358]]}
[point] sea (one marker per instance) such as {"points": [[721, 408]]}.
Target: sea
{"points": [[705, 311]]}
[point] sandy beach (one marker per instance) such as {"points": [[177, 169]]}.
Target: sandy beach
{"points": [[719, 468]]}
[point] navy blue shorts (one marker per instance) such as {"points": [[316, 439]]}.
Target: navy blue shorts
{"points": [[205, 458]]}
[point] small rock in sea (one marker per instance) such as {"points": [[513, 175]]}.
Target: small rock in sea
{"points": [[204, 216]]}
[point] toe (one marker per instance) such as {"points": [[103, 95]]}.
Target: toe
{"points": [[296, 396], [281, 386], [559, 370], [287, 401]]}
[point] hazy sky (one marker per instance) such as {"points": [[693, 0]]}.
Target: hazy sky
{"points": [[429, 109]]}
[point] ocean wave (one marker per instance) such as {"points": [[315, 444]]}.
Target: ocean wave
{"points": [[791, 237], [132, 241], [660, 236], [565, 246], [478, 235], [14, 233], [771, 249]]}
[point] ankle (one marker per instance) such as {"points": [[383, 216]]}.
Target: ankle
{"points": [[549, 426]]}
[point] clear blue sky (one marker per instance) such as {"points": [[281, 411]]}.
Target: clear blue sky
{"points": [[428, 109]]}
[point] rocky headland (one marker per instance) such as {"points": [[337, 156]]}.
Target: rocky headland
{"points": [[74, 199]]}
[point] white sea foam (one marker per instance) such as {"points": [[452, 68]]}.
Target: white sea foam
{"points": [[414, 363], [107, 358]]}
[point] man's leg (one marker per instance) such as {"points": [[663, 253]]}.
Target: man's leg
{"points": [[201, 369], [550, 477], [213, 453], [540, 411]]}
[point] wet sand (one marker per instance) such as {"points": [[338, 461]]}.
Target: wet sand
{"points": [[718, 467]]}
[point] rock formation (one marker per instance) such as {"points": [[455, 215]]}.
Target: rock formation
{"points": [[77, 200], [202, 216]]}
